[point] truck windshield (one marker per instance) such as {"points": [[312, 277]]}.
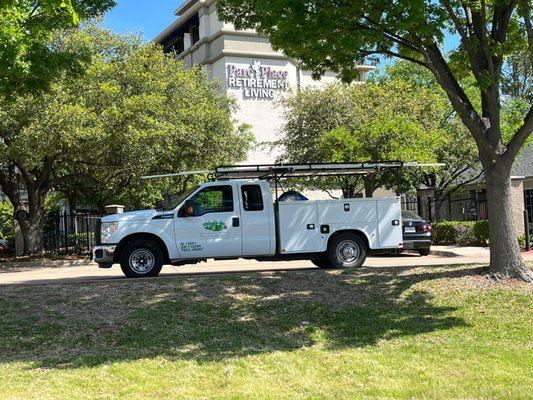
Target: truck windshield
{"points": [[176, 202]]}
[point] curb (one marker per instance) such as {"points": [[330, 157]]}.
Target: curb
{"points": [[444, 253], [10, 265]]}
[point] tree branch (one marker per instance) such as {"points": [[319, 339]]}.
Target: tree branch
{"points": [[404, 57], [392, 36], [458, 26], [460, 101], [519, 138], [526, 11], [463, 184]]}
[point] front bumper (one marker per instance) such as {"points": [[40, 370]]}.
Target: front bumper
{"points": [[104, 255]]}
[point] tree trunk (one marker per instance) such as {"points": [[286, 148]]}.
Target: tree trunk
{"points": [[32, 233], [369, 184], [505, 258]]}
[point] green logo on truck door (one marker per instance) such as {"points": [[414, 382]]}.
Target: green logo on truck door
{"points": [[215, 226]]}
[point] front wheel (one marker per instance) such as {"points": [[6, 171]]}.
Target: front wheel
{"points": [[141, 258], [347, 250]]}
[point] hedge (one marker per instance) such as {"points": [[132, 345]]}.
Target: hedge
{"points": [[461, 233], [7, 229], [464, 233]]}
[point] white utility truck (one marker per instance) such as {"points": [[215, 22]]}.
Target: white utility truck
{"points": [[234, 216]]}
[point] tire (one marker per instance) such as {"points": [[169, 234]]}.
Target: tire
{"points": [[322, 263], [347, 250], [423, 252], [141, 259]]}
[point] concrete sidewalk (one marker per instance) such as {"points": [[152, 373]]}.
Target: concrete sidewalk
{"points": [[68, 271]]}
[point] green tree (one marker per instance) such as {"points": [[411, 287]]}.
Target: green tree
{"points": [[390, 120], [456, 147], [332, 35], [29, 59], [138, 112], [7, 230]]}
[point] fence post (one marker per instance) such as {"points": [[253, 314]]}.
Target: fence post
{"points": [[526, 229], [429, 210], [87, 231], [65, 226]]}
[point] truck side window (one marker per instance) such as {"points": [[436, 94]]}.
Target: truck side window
{"points": [[213, 199], [252, 199]]}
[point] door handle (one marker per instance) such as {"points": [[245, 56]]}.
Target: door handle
{"points": [[235, 222]]}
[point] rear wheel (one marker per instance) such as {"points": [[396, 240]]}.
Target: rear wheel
{"points": [[347, 250], [423, 252], [141, 258]]}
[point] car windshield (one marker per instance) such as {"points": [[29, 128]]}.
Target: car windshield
{"points": [[176, 202], [408, 214]]}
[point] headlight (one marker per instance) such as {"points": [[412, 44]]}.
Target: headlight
{"points": [[108, 228]]}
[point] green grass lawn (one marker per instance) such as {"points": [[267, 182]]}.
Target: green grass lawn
{"points": [[434, 332]]}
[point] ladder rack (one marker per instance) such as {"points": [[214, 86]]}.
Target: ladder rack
{"points": [[287, 171]]}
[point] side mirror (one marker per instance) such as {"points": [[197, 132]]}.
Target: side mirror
{"points": [[187, 210]]}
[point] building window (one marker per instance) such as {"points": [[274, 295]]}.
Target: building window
{"points": [[252, 199], [195, 34]]}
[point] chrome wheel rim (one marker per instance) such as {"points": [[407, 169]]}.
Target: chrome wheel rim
{"points": [[142, 261], [347, 251]]}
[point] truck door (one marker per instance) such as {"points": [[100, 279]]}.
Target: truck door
{"points": [[256, 221], [389, 223], [214, 229]]}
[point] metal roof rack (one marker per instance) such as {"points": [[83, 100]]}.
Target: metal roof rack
{"points": [[286, 171], [277, 172], [290, 170]]}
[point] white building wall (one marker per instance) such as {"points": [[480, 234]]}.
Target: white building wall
{"points": [[221, 46]]}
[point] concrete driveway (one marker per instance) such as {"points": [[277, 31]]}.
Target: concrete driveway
{"points": [[86, 271]]}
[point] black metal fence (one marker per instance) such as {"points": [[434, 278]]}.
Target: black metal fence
{"points": [[66, 233], [472, 208]]}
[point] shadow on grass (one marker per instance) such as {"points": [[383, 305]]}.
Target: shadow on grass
{"points": [[214, 318]]}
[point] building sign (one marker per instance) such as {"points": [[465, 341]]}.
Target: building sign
{"points": [[257, 81]]}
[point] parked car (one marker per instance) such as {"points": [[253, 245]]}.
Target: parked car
{"points": [[416, 233]]}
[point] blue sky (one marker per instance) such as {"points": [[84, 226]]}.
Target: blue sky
{"points": [[147, 16], [150, 17]]}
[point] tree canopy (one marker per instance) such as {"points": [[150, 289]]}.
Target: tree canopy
{"points": [[29, 60], [135, 111], [389, 120]]}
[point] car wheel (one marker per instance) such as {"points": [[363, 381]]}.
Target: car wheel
{"points": [[423, 252], [347, 250], [141, 258], [323, 263]]}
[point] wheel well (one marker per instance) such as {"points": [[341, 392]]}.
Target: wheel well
{"points": [[355, 232], [141, 236]]}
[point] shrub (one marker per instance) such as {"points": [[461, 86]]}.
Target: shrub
{"points": [[481, 232], [461, 233], [444, 232], [7, 227], [522, 241], [464, 234], [79, 242]]}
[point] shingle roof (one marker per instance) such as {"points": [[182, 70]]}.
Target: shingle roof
{"points": [[523, 165]]}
